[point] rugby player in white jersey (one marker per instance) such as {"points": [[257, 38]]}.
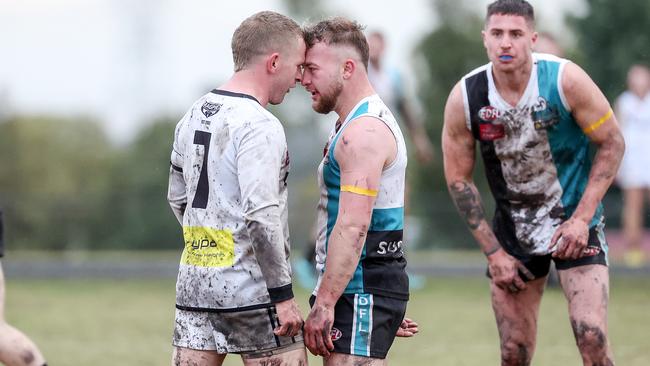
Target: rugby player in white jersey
{"points": [[533, 117], [227, 187], [360, 300]]}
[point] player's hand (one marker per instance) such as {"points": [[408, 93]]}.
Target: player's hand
{"points": [[408, 328], [289, 318], [505, 270], [570, 239], [317, 330]]}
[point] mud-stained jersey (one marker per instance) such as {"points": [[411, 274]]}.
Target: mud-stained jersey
{"points": [[228, 188], [536, 156], [381, 268]]}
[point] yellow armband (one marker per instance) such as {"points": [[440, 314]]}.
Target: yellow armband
{"points": [[594, 126], [359, 190]]}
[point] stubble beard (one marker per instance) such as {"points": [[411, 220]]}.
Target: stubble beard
{"points": [[328, 101]]}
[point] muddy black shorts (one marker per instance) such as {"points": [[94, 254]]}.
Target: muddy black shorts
{"points": [[595, 253], [365, 324]]}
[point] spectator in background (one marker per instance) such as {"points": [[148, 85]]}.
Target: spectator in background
{"points": [[16, 349], [546, 43], [633, 111], [388, 84]]}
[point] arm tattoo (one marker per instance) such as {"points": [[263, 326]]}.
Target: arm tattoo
{"points": [[468, 203]]}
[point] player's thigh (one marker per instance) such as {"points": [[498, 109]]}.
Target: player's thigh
{"points": [[245, 331], [516, 313], [292, 355], [587, 291], [192, 357], [341, 359]]}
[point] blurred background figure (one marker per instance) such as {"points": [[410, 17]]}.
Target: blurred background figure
{"points": [[546, 43], [16, 349], [388, 84], [633, 112]]}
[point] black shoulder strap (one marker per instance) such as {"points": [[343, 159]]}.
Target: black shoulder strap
{"points": [[477, 98]]}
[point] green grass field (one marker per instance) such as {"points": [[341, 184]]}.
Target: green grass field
{"points": [[115, 322]]}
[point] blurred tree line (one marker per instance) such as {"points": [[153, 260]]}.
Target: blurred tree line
{"points": [[63, 185]]}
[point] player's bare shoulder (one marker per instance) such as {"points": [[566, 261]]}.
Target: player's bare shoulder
{"points": [[366, 136], [455, 112]]}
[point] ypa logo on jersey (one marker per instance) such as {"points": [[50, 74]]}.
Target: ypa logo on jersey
{"points": [[335, 334], [210, 109]]}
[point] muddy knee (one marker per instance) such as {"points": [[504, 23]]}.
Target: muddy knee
{"points": [[591, 339], [515, 354]]}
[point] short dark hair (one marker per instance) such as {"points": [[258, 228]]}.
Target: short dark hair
{"points": [[339, 31], [260, 33], [512, 7]]}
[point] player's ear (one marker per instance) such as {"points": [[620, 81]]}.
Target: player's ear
{"points": [[534, 39], [349, 66], [273, 63]]}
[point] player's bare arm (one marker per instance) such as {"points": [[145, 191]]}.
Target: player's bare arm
{"points": [[258, 167], [458, 148], [365, 148], [594, 115]]}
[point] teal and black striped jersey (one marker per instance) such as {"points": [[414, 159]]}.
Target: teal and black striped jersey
{"points": [[536, 156], [381, 268]]}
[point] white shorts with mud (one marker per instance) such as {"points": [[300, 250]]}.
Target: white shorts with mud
{"points": [[249, 332]]}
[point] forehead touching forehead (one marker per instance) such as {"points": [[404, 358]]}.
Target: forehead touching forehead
{"points": [[337, 36], [518, 11]]}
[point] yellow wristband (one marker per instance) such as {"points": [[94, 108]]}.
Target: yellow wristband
{"points": [[594, 126], [359, 190]]}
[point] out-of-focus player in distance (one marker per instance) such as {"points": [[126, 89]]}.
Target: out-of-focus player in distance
{"points": [[228, 189], [534, 117], [389, 85], [16, 349], [546, 43]]}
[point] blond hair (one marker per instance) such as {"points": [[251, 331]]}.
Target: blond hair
{"points": [[261, 33]]}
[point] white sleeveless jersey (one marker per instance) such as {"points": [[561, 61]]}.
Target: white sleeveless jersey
{"points": [[228, 189], [381, 268], [536, 156]]}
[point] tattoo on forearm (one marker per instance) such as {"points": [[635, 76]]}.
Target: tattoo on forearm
{"points": [[468, 203]]}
